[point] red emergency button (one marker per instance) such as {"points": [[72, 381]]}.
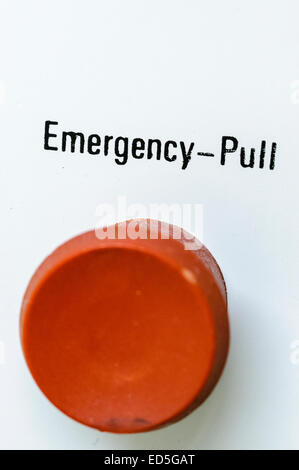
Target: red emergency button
{"points": [[126, 334]]}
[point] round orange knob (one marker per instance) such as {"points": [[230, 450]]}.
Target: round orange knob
{"points": [[126, 335]]}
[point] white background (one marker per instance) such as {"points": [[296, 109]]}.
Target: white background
{"points": [[188, 70]]}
